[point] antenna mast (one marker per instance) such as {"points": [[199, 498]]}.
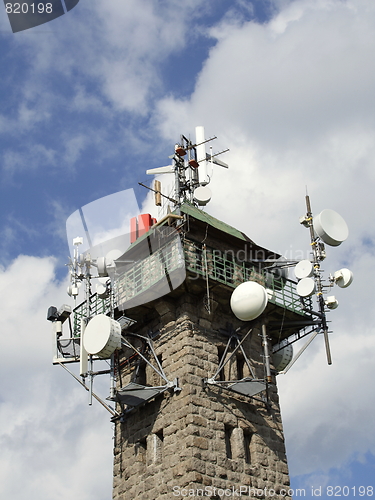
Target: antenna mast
{"points": [[317, 257], [189, 165]]}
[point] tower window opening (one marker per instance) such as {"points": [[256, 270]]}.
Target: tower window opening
{"points": [[240, 366], [140, 373], [228, 431], [247, 435], [220, 353]]}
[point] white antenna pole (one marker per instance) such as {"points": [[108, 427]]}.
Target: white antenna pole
{"points": [[83, 355], [201, 153], [91, 379]]}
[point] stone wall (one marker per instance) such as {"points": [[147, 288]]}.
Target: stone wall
{"points": [[203, 439]]}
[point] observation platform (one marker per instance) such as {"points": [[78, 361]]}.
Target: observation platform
{"points": [[194, 254]]}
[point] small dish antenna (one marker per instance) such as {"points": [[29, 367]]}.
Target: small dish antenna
{"points": [[248, 300], [102, 336], [330, 227], [331, 302], [304, 269], [306, 287], [102, 291], [282, 357], [202, 195], [343, 278]]}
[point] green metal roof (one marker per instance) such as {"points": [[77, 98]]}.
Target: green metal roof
{"points": [[189, 209]]}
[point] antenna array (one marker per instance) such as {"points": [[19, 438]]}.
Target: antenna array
{"points": [[190, 168], [131, 270]]}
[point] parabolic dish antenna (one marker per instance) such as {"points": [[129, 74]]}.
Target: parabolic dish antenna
{"points": [[304, 269], [283, 357], [306, 287], [331, 302], [101, 291], [248, 300], [113, 254], [330, 227], [102, 336], [343, 277], [202, 195]]}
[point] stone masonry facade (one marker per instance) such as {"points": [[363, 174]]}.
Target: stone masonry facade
{"points": [[204, 440]]}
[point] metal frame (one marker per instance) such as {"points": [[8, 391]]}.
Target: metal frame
{"points": [[148, 392], [233, 385]]}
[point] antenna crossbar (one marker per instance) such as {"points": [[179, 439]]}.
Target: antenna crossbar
{"points": [[209, 157], [203, 142]]}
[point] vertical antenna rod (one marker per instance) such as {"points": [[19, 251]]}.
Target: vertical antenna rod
{"points": [[201, 155]]}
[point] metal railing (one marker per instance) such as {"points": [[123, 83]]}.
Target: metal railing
{"points": [[220, 266], [97, 306], [201, 261], [143, 275]]}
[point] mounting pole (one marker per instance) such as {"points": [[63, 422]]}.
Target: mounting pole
{"points": [[318, 279], [91, 379], [177, 194], [266, 352]]}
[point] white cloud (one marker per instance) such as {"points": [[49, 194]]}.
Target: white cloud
{"points": [[293, 100], [117, 45], [289, 86], [101, 60], [50, 439]]}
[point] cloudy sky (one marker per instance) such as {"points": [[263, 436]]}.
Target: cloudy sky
{"points": [[90, 101]]}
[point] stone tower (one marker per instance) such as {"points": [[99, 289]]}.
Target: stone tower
{"points": [[199, 410]]}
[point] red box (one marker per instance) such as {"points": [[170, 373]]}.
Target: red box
{"points": [[144, 224]]}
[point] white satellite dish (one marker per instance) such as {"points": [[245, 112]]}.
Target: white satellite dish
{"points": [[331, 302], [202, 195], [330, 227], [343, 277], [101, 291], [304, 269], [248, 300], [102, 336], [283, 357], [306, 287], [106, 264], [103, 280], [113, 255]]}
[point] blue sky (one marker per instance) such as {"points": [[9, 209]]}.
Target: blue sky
{"points": [[90, 101]]}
